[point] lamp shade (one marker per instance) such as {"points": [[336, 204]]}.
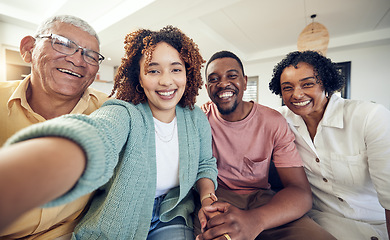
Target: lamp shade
{"points": [[314, 37]]}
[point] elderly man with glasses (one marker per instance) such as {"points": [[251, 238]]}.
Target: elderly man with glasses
{"points": [[64, 57]]}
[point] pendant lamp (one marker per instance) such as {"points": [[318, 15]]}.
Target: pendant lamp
{"points": [[314, 37]]}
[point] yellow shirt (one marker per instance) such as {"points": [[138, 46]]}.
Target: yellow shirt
{"points": [[15, 114]]}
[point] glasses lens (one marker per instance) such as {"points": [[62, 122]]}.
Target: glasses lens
{"points": [[91, 57], [68, 47], [63, 45]]}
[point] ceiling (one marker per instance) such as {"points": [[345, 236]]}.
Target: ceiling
{"points": [[254, 29]]}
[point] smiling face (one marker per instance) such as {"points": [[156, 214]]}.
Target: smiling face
{"points": [[56, 74], [302, 92], [163, 80], [225, 84]]}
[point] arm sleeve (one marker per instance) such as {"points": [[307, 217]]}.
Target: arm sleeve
{"points": [[285, 153], [101, 135], [207, 163], [377, 139]]}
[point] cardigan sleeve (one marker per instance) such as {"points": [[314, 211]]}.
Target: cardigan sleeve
{"points": [[207, 162], [101, 135]]}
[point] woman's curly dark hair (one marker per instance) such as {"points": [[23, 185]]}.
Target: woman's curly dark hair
{"points": [[324, 69], [143, 42]]}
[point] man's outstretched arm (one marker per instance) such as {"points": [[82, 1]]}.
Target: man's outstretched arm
{"points": [[35, 172]]}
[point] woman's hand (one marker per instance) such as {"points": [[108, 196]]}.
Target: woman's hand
{"points": [[204, 215]]}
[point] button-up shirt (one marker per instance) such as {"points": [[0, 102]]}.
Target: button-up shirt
{"points": [[15, 114], [348, 161]]}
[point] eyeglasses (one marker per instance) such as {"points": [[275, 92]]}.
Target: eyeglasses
{"points": [[68, 47]]}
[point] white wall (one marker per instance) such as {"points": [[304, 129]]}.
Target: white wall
{"points": [[370, 77], [10, 37], [12, 34], [106, 74], [369, 69]]}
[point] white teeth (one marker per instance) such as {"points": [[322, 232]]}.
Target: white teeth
{"points": [[225, 95], [166, 93], [301, 103], [69, 72]]}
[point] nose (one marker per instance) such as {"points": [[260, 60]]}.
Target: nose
{"points": [[298, 93], [166, 79], [224, 82], [77, 58]]}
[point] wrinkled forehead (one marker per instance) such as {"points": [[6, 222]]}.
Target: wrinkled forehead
{"points": [[75, 34]]}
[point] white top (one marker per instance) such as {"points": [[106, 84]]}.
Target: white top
{"points": [[348, 164], [167, 156]]}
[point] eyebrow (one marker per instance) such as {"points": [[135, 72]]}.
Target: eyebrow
{"points": [[306, 78], [156, 64], [177, 63], [300, 80], [233, 70], [228, 71], [153, 64], [67, 38]]}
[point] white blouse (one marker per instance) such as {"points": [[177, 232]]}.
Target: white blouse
{"points": [[167, 156], [348, 163]]}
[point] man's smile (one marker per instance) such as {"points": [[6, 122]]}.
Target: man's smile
{"points": [[69, 72]]}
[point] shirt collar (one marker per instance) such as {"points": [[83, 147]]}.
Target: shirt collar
{"points": [[333, 116], [82, 104], [20, 94]]}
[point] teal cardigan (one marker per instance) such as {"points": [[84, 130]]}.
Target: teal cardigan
{"points": [[119, 142]]}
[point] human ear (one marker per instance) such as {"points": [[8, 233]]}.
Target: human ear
{"points": [[26, 47], [246, 82]]}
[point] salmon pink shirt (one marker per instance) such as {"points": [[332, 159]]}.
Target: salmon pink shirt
{"points": [[244, 149]]}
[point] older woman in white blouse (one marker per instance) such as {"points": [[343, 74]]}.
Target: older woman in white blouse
{"points": [[345, 146]]}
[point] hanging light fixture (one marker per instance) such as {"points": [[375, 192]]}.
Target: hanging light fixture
{"points": [[314, 37]]}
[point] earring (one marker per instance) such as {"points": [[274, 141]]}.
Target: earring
{"points": [[137, 89]]}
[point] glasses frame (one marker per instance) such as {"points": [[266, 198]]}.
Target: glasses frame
{"points": [[53, 36]]}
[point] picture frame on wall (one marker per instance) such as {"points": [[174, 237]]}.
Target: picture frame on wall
{"points": [[345, 70]]}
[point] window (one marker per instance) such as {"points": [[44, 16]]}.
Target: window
{"points": [[251, 89]]}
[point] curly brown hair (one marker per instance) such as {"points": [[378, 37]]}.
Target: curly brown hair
{"points": [[143, 42]]}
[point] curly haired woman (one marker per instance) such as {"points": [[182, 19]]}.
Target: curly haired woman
{"points": [[344, 144], [148, 148]]}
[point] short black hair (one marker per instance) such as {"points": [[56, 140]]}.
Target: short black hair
{"points": [[324, 69], [224, 54]]}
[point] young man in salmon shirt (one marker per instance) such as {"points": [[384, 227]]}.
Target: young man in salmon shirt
{"points": [[247, 136]]}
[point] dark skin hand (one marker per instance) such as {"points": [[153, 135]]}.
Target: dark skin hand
{"points": [[290, 203], [230, 220], [204, 215]]}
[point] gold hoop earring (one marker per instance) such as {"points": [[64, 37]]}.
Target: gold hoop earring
{"points": [[138, 90]]}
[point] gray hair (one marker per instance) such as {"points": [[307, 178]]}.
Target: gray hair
{"points": [[75, 21]]}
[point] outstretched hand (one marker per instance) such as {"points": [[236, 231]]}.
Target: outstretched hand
{"points": [[237, 223]]}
